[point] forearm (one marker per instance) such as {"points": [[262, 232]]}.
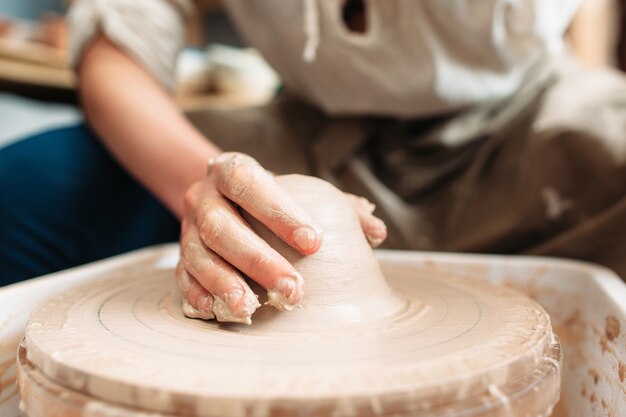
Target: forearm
{"points": [[140, 125]]}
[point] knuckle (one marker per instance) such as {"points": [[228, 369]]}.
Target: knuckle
{"points": [[238, 189], [236, 174], [189, 253], [227, 161], [197, 259], [212, 225]]}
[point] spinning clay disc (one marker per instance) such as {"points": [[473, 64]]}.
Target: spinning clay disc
{"points": [[363, 343]]}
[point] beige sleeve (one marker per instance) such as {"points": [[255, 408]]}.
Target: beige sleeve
{"points": [[150, 31]]}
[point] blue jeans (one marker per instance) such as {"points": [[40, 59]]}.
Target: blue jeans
{"points": [[65, 201]]}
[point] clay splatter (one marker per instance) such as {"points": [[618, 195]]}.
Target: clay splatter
{"points": [[604, 345], [604, 404], [572, 329], [612, 328], [594, 374], [622, 371]]}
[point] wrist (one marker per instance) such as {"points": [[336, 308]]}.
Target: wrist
{"points": [[193, 168]]}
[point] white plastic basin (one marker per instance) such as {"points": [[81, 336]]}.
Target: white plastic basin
{"points": [[587, 304]]}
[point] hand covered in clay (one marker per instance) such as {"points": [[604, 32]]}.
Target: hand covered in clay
{"points": [[218, 245]]}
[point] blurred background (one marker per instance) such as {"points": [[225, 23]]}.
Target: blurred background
{"points": [[30, 9], [37, 89]]}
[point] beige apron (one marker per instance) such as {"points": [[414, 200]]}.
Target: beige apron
{"points": [[542, 172], [413, 58]]}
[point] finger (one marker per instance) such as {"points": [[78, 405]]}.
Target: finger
{"points": [[242, 180], [361, 204], [233, 300], [197, 302], [374, 229], [249, 253]]}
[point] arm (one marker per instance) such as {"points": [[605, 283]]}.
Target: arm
{"points": [[594, 32], [140, 125]]}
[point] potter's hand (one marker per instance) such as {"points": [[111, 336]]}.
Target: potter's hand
{"points": [[217, 245], [374, 229]]}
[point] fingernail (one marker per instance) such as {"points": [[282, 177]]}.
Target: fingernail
{"points": [[374, 241], [238, 301], [250, 303], [287, 293], [305, 238], [193, 313], [235, 306], [233, 298], [378, 226], [205, 303], [377, 232]]}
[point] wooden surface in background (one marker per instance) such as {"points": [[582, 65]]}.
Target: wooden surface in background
{"points": [[38, 70]]}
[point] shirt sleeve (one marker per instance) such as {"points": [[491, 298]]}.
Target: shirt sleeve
{"points": [[150, 31]]}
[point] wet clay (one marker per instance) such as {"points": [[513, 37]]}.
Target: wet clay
{"points": [[363, 342]]}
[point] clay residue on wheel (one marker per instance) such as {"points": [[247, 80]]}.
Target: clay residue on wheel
{"points": [[595, 376], [612, 328], [572, 330]]}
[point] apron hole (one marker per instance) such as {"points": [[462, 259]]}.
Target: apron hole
{"points": [[355, 16]]}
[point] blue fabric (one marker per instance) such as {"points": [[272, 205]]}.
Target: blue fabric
{"points": [[65, 201]]}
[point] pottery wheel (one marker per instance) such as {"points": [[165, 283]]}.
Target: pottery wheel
{"points": [[419, 346]]}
